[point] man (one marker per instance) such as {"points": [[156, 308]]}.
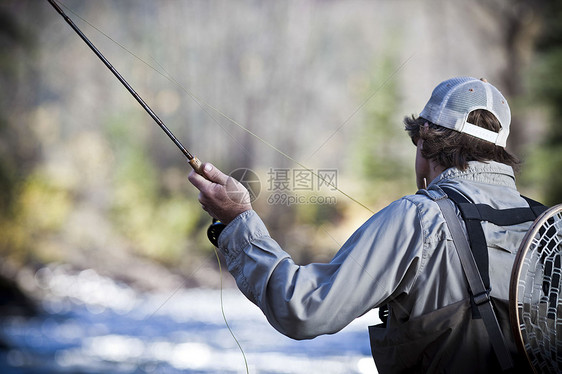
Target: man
{"points": [[403, 256]]}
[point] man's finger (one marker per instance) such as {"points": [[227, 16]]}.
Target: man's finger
{"points": [[198, 181], [214, 175]]}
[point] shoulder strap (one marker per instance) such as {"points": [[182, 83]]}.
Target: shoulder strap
{"points": [[500, 217], [474, 214], [472, 219], [479, 292], [536, 207]]}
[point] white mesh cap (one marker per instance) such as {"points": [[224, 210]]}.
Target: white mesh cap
{"points": [[452, 101]]}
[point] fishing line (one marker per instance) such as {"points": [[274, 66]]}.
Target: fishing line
{"points": [[224, 315], [199, 102], [329, 183], [193, 161], [202, 103], [182, 285], [173, 293], [168, 76], [381, 86]]}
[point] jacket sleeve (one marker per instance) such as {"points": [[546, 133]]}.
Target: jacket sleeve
{"points": [[381, 259]]}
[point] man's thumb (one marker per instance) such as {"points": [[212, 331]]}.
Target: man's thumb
{"points": [[214, 175]]}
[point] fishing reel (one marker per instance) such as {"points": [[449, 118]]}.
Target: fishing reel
{"points": [[214, 231]]}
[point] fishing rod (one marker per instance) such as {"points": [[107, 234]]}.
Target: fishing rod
{"points": [[193, 161], [203, 104], [216, 227]]}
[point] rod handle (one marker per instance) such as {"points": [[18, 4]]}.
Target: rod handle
{"points": [[197, 165]]}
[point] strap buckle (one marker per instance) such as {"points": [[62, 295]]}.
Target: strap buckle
{"points": [[482, 297]]}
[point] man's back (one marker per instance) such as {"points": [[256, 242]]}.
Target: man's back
{"points": [[431, 327]]}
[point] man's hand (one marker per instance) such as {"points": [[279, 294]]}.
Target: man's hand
{"points": [[220, 195]]}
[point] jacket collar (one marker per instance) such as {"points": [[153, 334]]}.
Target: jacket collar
{"points": [[489, 172]]}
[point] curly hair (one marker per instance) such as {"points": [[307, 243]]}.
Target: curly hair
{"points": [[451, 148]]}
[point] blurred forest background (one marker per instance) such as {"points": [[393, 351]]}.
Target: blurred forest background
{"points": [[88, 180]]}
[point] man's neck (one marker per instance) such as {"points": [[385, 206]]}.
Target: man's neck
{"points": [[435, 169]]}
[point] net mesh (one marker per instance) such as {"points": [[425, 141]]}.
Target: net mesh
{"points": [[539, 300]]}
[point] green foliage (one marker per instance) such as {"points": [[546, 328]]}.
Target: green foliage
{"points": [[322, 212], [156, 224], [41, 208], [381, 147], [548, 87], [17, 152], [375, 137], [134, 199], [545, 161], [546, 81], [540, 170], [8, 178]]}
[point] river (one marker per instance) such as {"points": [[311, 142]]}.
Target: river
{"points": [[92, 324]]}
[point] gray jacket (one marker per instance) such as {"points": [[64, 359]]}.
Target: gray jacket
{"points": [[402, 256]]}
